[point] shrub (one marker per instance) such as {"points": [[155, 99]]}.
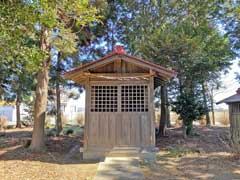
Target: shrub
{"points": [[189, 108], [69, 131], [10, 126]]}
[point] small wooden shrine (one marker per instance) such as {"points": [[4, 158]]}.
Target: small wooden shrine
{"points": [[119, 101], [234, 117]]}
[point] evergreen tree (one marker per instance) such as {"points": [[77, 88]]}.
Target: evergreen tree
{"points": [[48, 24]]}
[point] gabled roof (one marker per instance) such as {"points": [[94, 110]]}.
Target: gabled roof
{"points": [[120, 52], [232, 99]]}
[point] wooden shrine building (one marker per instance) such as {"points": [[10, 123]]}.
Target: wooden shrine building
{"points": [[119, 100], [234, 117]]}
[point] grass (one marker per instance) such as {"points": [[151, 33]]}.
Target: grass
{"points": [[179, 151]]}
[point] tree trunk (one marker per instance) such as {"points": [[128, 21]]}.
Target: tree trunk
{"points": [[58, 94], [168, 111], [40, 110], [40, 105], [208, 122], [184, 131], [212, 107], [163, 118], [18, 116]]}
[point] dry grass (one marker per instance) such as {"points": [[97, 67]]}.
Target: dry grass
{"points": [[19, 163], [202, 157], [221, 118]]}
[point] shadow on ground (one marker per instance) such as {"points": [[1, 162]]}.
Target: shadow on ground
{"points": [[59, 150], [205, 156]]}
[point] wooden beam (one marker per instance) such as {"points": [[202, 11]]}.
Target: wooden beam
{"points": [[161, 72], [117, 76], [121, 74], [116, 82]]}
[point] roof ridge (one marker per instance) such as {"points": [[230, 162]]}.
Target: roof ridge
{"points": [[119, 50]]}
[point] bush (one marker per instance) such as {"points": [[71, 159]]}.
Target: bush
{"points": [[189, 108], [79, 131], [69, 131], [51, 132], [10, 127]]}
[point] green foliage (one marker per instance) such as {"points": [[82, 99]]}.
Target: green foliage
{"points": [[181, 35], [190, 108], [22, 22]]}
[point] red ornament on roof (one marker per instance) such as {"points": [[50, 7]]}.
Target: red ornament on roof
{"points": [[119, 49]]}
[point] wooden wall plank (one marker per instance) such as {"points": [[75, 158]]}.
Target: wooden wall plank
{"points": [[118, 122], [126, 123], [135, 136], [94, 129], [112, 129], [109, 129]]}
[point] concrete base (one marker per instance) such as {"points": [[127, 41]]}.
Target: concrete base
{"points": [[124, 152], [100, 154], [94, 155], [122, 163]]}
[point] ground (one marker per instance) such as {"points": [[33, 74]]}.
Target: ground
{"points": [[203, 156], [18, 163]]}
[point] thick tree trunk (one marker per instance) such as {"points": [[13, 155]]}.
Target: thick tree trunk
{"points": [[40, 105], [37, 143], [18, 116], [163, 118], [208, 122], [58, 94]]}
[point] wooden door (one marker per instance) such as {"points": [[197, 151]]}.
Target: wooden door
{"points": [[119, 116]]}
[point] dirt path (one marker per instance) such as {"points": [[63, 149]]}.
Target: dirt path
{"points": [[202, 157]]}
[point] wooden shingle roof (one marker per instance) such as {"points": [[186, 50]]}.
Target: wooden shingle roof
{"points": [[120, 52]]}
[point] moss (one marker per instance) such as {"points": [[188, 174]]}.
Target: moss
{"points": [[179, 152]]}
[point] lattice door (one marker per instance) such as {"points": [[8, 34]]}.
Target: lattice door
{"points": [[134, 98], [104, 98]]}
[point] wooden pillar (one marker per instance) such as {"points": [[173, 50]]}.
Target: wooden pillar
{"points": [[152, 109], [87, 110]]}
